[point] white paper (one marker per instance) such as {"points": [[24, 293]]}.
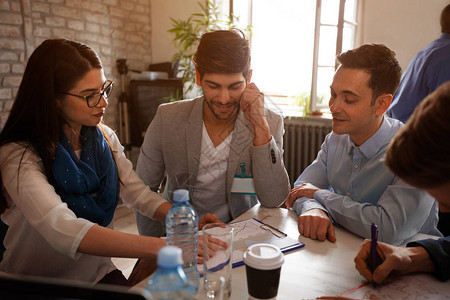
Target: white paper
{"points": [[413, 286], [249, 232]]}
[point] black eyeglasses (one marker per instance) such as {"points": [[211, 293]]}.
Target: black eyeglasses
{"points": [[94, 99]]}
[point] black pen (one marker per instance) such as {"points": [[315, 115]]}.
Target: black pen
{"points": [[373, 248]]}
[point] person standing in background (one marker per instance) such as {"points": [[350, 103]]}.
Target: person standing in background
{"points": [[427, 70]]}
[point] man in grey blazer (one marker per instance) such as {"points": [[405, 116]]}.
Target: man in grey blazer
{"points": [[224, 147]]}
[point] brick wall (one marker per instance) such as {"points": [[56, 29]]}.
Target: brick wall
{"points": [[114, 28]]}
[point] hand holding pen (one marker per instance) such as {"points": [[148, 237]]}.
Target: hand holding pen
{"points": [[373, 249], [390, 259], [363, 262], [366, 259]]}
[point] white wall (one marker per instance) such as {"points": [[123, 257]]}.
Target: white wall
{"points": [[161, 11], [405, 26]]}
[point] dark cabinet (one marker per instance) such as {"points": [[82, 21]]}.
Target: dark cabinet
{"points": [[145, 97]]}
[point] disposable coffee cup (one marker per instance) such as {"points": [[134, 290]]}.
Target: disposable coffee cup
{"points": [[263, 267]]}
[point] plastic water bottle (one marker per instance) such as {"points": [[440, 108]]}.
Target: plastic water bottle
{"points": [[169, 281], [182, 232]]}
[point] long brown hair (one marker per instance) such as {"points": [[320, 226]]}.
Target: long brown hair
{"points": [[55, 66]]}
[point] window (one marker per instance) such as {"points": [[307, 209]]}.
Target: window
{"points": [[294, 44], [335, 24]]}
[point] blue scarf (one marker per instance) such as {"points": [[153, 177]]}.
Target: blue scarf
{"points": [[89, 185]]}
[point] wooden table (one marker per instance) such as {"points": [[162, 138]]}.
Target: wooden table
{"points": [[317, 269]]}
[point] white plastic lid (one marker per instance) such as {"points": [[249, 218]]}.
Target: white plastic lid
{"points": [[264, 257], [180, 195], [170, 257]]}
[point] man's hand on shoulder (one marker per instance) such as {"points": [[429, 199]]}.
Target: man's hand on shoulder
{"points": [[252, 105], [316, 224]]}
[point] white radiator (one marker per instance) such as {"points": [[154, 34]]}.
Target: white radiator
{"points": [[302, 140]]}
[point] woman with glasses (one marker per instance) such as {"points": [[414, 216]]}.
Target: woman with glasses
{"points": [[63, 172]]}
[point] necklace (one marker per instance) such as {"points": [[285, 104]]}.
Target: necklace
{"points": [[76, 134], [76, 145]]}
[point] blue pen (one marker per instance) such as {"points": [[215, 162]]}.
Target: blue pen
{"points": [[373, 248]]}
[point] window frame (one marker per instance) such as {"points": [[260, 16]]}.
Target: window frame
{"points": [[314, 106]]}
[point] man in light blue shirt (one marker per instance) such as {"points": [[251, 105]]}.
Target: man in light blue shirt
{"points": [[349, 182]]}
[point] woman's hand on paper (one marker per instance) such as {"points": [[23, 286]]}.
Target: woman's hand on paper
{"points": [[212, 246], [208, 219]]}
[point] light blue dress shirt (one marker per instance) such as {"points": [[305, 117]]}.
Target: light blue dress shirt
{"points": [[357, 189]]}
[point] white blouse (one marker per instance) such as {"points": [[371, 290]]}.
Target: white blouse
{"points": [[44, 234]]}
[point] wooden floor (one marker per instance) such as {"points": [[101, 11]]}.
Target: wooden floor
{"points": [[125, 221]]}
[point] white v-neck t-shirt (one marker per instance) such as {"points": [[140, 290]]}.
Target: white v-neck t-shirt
{"points": [[210, 192]]}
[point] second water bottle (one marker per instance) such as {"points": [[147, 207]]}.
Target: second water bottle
{"points": [[169, 281], [182, 232]]}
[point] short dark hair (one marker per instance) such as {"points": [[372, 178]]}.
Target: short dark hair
{"points": [[445, 19], [223, 51], [419, 152], [380, 62]]}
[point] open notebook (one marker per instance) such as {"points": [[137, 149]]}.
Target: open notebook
{"points": [[253, 231]]}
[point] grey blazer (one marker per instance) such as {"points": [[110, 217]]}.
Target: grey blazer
{"points": [[171, 149]]}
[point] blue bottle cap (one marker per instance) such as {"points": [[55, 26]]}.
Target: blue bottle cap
{"points": [[170, 257], [180, 195]]}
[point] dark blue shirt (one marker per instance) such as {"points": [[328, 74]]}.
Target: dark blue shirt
{"points": [[426, 72], [439, 251]]}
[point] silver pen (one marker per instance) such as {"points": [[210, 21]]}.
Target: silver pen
{"points": [[276, 229]]}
